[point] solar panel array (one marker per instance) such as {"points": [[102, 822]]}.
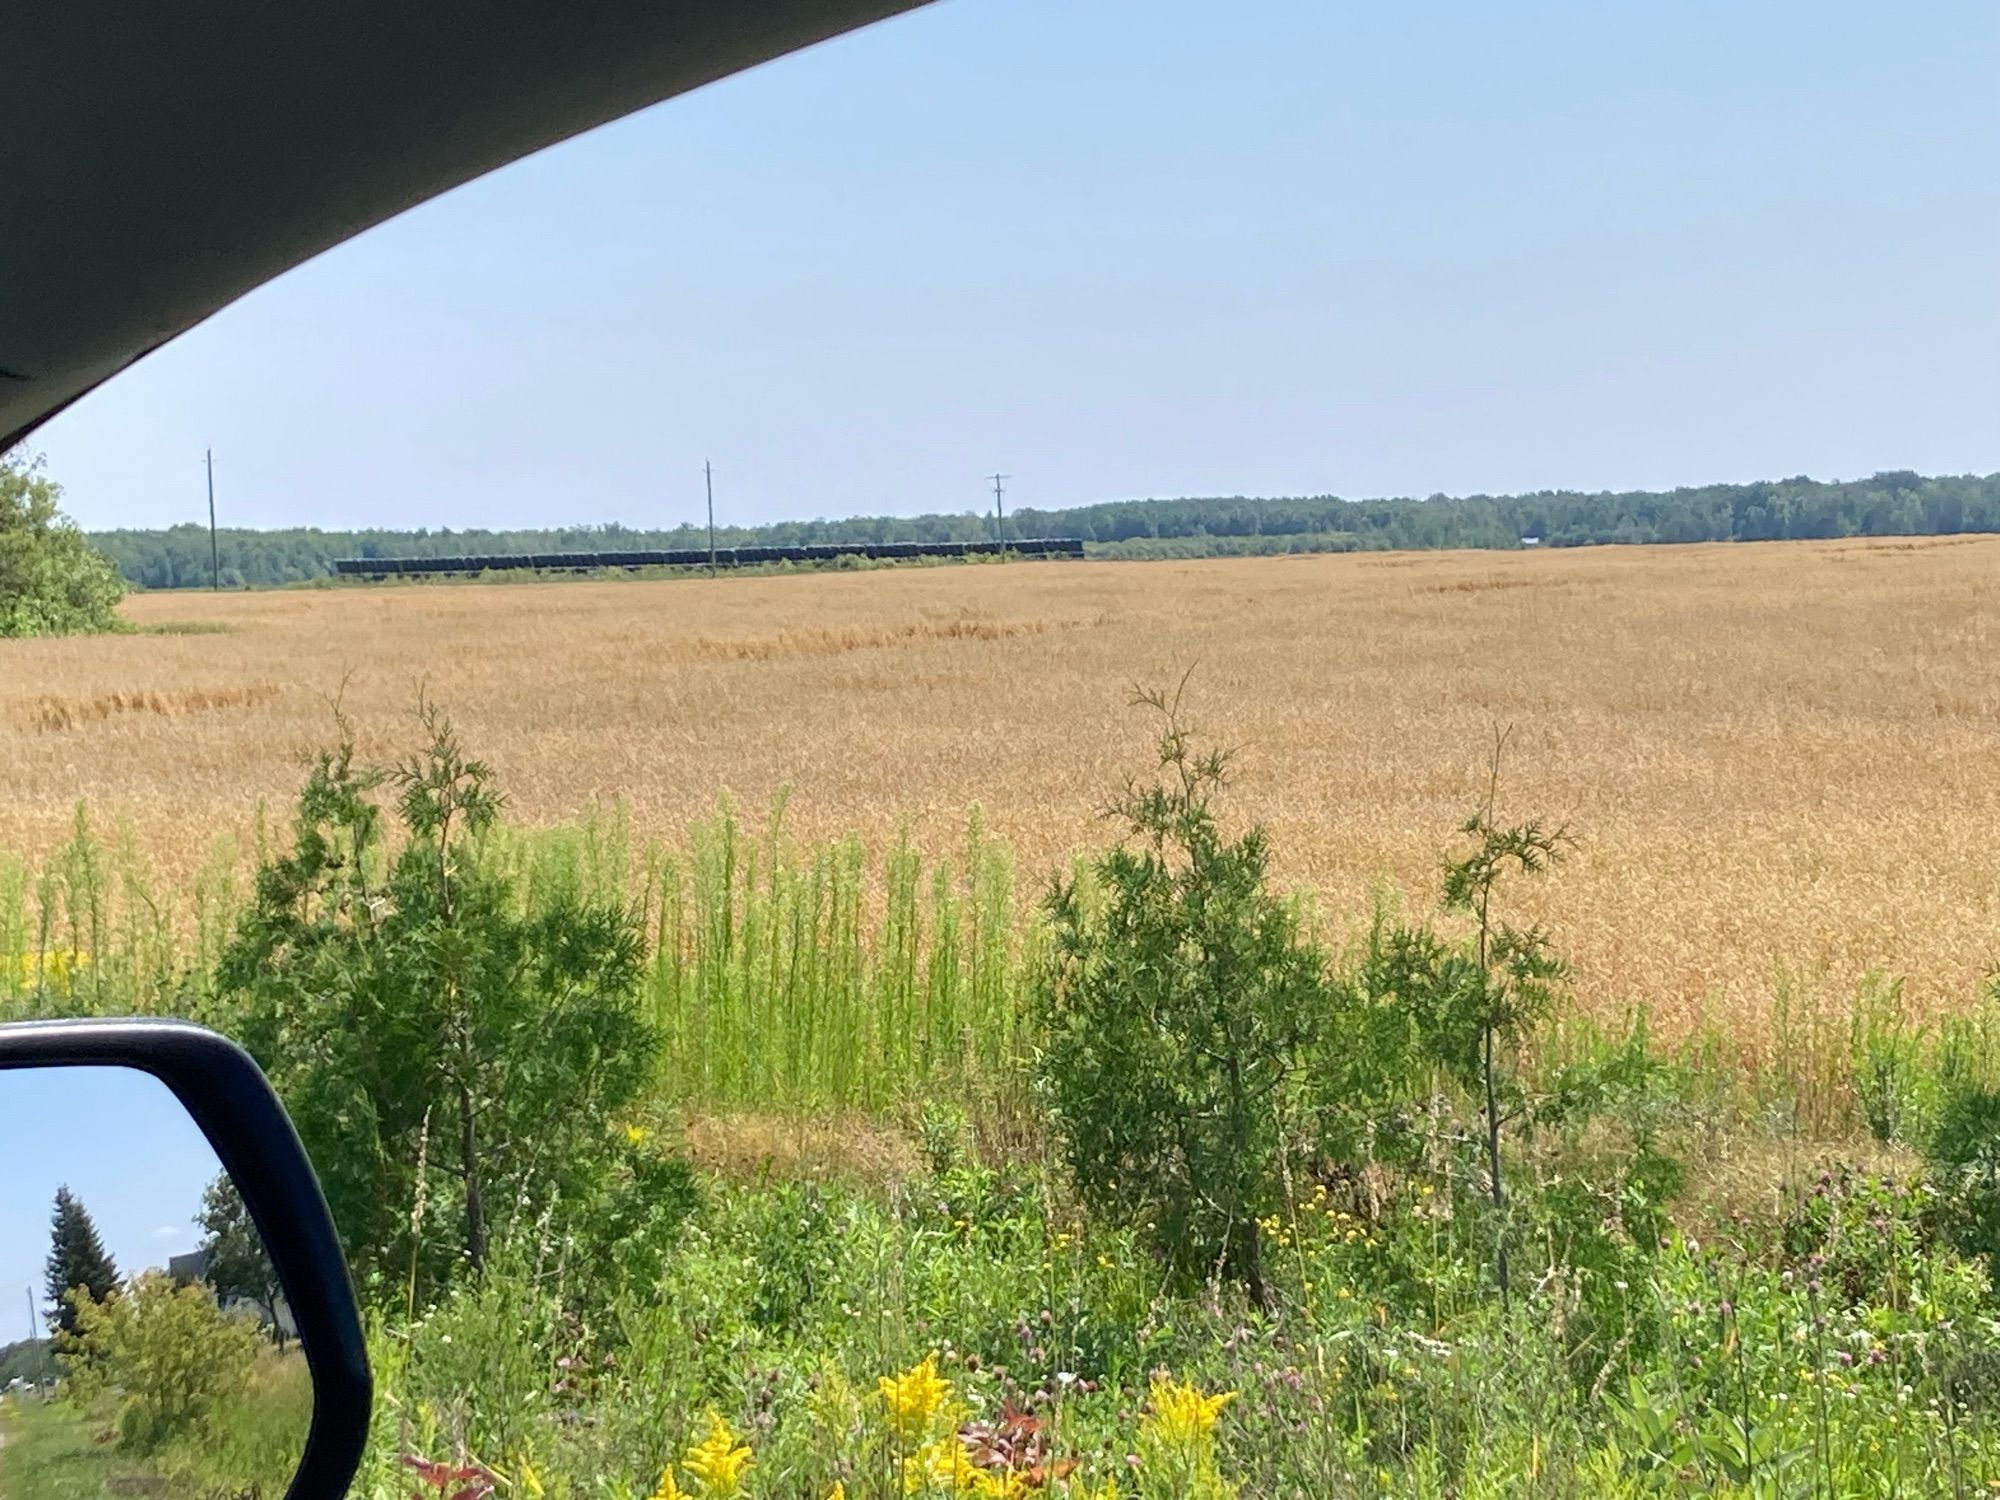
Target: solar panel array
{"points": [[698, 557]]}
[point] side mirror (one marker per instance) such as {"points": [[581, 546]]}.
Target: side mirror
{"points": [[188, 1318]]}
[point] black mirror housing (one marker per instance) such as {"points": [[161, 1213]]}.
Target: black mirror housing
{"points": [[232, 1103]]}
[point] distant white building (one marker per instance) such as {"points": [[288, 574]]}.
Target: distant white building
{"points": [[1531, 541]]}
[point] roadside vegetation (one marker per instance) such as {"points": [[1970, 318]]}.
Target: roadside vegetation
{"points": [[752, 1167], [52, 580]]}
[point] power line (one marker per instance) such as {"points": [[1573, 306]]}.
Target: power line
{"points": [[708, 481]]}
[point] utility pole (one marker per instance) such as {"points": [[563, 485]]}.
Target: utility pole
{"points": [[708, 481], [214, 557], [35, 1337], [999, 511]]}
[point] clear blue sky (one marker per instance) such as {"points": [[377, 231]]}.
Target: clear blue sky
{"points": [[1146, 247], [125, 1147]]}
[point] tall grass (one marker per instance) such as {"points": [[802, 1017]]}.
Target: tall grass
{"points": [[781, 976], [793, 977], [798, 977], [87, 932]]}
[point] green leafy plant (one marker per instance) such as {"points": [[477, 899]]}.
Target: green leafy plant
{"points": [[52, 581], [1179, 1005], [452, 1050], [1516, 969], [1964, 1156], [626, 1233], [169, 1352], [1962, 1145]]}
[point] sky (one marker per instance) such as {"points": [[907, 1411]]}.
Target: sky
{"points": [[1127, 248], [124, 1146]]}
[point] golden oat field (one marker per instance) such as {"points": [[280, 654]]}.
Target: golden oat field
{"points": [[1781, 761]]}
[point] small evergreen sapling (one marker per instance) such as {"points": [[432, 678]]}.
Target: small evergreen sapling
{"points": [[1181, 1002]]}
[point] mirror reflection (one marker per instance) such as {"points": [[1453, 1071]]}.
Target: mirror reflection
{"points": [[145, 1344]]}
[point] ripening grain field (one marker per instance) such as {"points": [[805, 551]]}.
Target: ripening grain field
{"points": [[1781, 761]]}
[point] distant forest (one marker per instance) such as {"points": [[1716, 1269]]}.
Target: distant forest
{"points": [[1888, 504]]}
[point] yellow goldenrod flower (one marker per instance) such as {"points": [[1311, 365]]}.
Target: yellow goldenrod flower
{"points": [[54, 969], [635, 1135], [912, 1399], [667, 1489], [838, 1492], [717, 1462], [999, 1484], [1181, 1415], [943, 1468]]}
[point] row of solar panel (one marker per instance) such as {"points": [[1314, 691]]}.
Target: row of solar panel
{"points": [[691, 557]]}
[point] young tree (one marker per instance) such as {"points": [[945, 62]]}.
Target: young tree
{"points": [[168, 1350], [237, 1264], [52, 581], [1516, 970], [448, 1047], [77, 1258], [1180, 1002]]}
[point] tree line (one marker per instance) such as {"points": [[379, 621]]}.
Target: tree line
{"points": [[1895, 503]]}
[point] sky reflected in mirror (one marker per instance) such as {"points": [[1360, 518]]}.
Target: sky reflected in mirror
{"points": [[128, 1151]]}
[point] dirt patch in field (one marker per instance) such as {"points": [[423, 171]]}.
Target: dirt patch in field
{"points": [[842, 1148]]}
